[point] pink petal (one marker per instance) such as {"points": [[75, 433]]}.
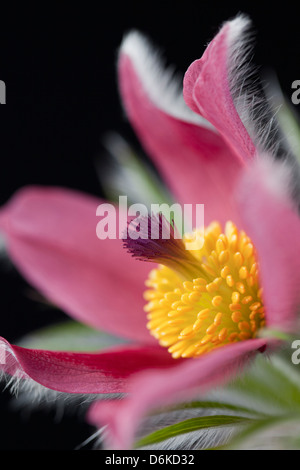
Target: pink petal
{"points": [[192, 157], [209, 84], [155, 388], [105, 372], [51, 238], [271, 221]]}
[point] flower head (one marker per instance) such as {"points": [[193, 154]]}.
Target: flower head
{"points": [[205, 307]]}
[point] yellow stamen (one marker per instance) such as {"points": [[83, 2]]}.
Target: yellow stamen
{"points": [[192, 316]]}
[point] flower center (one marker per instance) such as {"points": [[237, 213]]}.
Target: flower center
{"points": [[192, 312]]}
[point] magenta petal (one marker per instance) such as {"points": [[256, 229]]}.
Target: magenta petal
{"points": [[155, 388], [270, 220], [51, 238], [70, 372], [209, 82], [192, 157]]}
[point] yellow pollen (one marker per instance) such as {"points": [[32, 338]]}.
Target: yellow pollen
{"points": [[223, 305]]}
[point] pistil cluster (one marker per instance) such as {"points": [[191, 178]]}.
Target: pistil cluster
{"points": [[191, 315]]}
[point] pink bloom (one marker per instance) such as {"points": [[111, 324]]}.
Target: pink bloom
{"points": [[208, 155]]}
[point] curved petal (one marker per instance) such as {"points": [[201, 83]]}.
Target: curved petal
{"points": [[270, 220], [192, 157], [51, 238], [211, 82], [155, 388], [70, 372]]}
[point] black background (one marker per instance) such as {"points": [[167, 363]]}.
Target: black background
{"points": [[58, 64]]}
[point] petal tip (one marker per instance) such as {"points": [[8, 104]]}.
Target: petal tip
{"points": [[145, 65]]}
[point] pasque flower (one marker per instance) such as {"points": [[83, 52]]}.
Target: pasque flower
{"points": [[205, 308]]}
